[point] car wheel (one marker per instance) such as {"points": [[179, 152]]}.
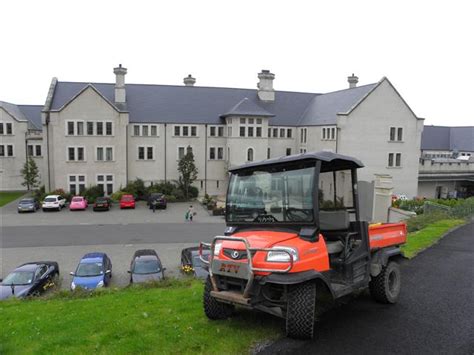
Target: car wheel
{"points": [[385, 287], [301, 309], [214, 309]]}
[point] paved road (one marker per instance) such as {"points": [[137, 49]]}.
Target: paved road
{"points": [[108, 234], [435, 313]]}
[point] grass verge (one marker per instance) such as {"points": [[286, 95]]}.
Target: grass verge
{"points": [[167, 319], [7, 197], [424, 238]]}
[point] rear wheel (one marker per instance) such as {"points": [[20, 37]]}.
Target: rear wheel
{"points": [[301, 310], [385, 287], [212, 308]]}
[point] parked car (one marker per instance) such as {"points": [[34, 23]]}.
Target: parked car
{"points": [[191, 262], [158, 199], [29, 204], [78, 203], [146, 266], [94, 271], [30, 279], [102, 204], [53, 202], [127, 201]]}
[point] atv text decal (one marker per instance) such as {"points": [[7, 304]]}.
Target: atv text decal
{"points": [[231, 268]]}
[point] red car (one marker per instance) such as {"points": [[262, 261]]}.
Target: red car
{"points": [[127, 201]]}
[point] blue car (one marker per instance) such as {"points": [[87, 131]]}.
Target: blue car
{"points": [[94, 271]]}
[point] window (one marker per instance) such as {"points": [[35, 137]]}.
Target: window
{"points": [[303, 135], [180, 153], [229, 131], [38, 150], [242, 121], [76, 154], [216, 153], [1, 128], [220, 131], [100, 154], [288, 151], [268, 153], [106, 184], [275, 132], [9, 127], [249, 131], [77, 184], [193, 131], [289, 133], [396, 134], [6, 150], [302, 150], [154, 130], [251, 126], [149, 153], [30, 150], [80, 128], [212, 131], [100, 128], [146, 153], [282, 133], [144, 131], [269, 133], [109, 154], [70, 128], [394, 159], [108, 128], [242, 131], [141, 153], [212, 153], [328, 133], [250, 154], [185, 131], [2, 150], [259, 132], [90, 128], [189, 149], [177, 130], [136, 130], [220, 153]]}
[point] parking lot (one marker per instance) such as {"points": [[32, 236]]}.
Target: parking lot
{"points": [[66, 236]]}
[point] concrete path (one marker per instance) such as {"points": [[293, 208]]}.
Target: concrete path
{"points": [[435, 313]]}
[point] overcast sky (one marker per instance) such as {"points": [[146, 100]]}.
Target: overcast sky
{"points": [[425, 48]]}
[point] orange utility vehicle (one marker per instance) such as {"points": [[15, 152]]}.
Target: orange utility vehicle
{"points": [[294, 242]]}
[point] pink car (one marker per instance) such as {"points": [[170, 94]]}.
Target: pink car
{"points": [[78, 203]]}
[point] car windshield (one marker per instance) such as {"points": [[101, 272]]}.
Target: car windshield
{"points": [[26, 201], [50, 199], [127, 198], [150, 266], [101, 200], [89, 269], [77, 199], [19, 278], [271, 195]]}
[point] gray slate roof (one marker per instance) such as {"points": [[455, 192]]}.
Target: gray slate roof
{"points": [[448, 138], [247, 108], [30, 113], [182, 104]]}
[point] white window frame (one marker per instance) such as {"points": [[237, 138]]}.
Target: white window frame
{"points": [[76, 183], [217, 128], [394, 160], [145, 152], [104, 147], [395, 136], [303, 135], [328, 133], [216, 152], [105, 129], [247, 154], [76, 153], [105, 182], [185, 151], [75, 128], [34, 150], [5, 150], [245, 123]]}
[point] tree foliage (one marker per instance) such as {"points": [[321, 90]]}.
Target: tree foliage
{"points": [[188, 171], [30, 174]]}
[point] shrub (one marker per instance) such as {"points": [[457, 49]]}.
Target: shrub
{"points": [[116, 196], [60, 192], [163, 187], [421, 221], [412, 205], [92, 192], [193, 192], [170, 198], [40, 193], [178, 194], [464, 208], [136, 188]]}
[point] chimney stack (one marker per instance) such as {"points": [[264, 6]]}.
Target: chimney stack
{"points": [[120, 95], [265, 86], [189, 80], [353, 80]]}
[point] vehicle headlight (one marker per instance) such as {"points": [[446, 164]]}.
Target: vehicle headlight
{"points": [[73, 286], [279, 256], [100, 284], [217, 248]]}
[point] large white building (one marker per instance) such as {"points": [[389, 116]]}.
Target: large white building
{"points": [[108, 134]]}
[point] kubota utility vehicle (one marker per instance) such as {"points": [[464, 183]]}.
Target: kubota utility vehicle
{"points": [[294, 240]]}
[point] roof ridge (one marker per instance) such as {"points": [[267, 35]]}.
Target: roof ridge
{"points": [[346, 89]]}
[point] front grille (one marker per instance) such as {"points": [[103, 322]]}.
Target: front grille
{"points": [[236, 254]]}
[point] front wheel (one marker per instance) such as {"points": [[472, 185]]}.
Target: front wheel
{"points": [[301, 311], [214, 309], [385, 287]]}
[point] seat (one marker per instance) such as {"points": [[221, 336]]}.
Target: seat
{"points": [[334, 247]]}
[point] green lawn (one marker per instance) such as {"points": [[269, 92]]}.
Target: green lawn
{"points": [[7, 197], [422, 239], [133, 320]]}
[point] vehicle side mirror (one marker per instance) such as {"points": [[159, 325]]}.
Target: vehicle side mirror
{"points": [[309, 234], [72, 273], [108, 272]]}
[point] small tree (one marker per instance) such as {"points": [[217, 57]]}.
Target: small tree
{"points": [[188, 171], [30, 174]]}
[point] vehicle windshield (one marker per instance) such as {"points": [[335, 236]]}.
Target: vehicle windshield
{"points": [[19, 278], [50, 199], [101, 200], [127, 198], [77, 199], [272, 195], [146, 267], [27, 201], [89, 269]]}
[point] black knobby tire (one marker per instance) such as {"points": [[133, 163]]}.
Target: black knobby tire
{"points": [[301, 311], [214, 309], [385, 287]]}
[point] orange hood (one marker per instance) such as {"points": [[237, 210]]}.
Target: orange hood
{"points": [[259, 239]]}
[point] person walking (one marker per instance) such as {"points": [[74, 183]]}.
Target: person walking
{"points": [[190, 213], [153, 205]]}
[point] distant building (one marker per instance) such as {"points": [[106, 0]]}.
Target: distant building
{"points": [[447, 162], [108, 134]]}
